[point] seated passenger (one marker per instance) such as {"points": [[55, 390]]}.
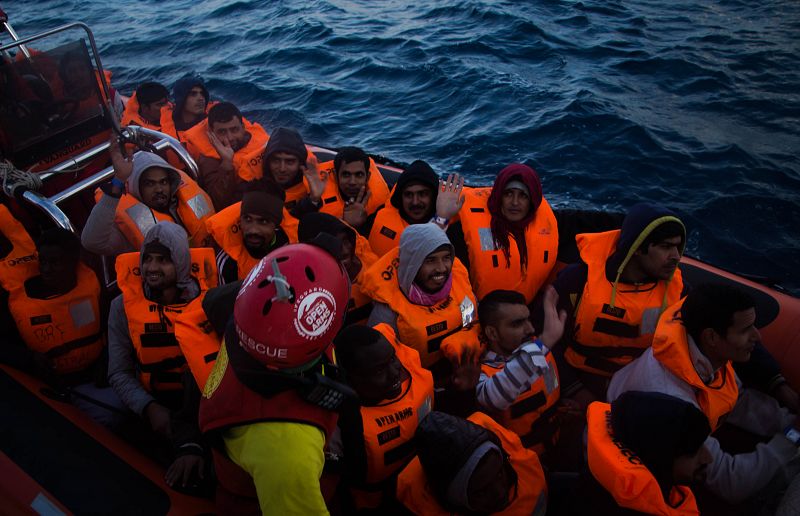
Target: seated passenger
{"points": [[614, 297], [145, 105], [192, 103], [395, 394], [472, 466], [690, 359], [645, 450], [156, 191], [507, 235], [145, 364], [422, 291], [262, 404], [222, 144], [418, 197], [356, 258], [249, 230], [355, 187], [519, 384]]}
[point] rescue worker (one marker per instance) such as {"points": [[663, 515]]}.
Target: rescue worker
{"points": [[156, 191], [614, 296], [471, 466], [519, 385], [356, 258], [269, 402], [418, 197], [695, 341], [145, 106], [247, 231], [395, 394], [422, 291], [355, 187], [145, 364], [222, 144], [644, 450], [507, 235]]}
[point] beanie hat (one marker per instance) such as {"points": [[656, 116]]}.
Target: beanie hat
{"points": [[264, 204]]}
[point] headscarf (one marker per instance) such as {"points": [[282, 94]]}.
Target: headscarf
{"points": [[501, 227]]}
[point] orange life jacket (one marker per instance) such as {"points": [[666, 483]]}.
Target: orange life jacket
{"points": [[134, 218], [198, 144], [228, 403], [253, 168], [530, 414], [360, 304], [65, 328], [389, 428], [131, 116], [414, 492], [612, 330], [332, 201], [386, 230], [168, 123], [151, 325], [623, 475], [422, 327], [488, 269], [20, 263], [199, 343], [225, 229], [671, 349]]}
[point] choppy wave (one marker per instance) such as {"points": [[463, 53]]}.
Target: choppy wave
{"points": [[692, 104]]}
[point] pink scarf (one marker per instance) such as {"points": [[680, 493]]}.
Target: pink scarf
{"points": [[419, 297]]}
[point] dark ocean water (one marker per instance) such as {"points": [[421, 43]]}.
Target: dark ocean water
{"points": [[693, 104]]}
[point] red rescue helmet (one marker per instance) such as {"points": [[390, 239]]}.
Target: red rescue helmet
{"points": [[291, 305]]}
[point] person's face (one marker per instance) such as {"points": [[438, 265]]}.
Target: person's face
{"points": [[434, 271], [158, 271], [661, 259], [284, 167], [489, 485], [352, 177], [740, 338], [195, 104], [231, 133], [515, 205], [257, 234], [349, 260], [417, 203], [379, 375], [56, 267], [691, 469], [155, 188], [512, 328], [152, 112]]}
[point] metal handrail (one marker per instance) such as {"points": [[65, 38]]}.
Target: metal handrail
{"points": [[49, 208]]}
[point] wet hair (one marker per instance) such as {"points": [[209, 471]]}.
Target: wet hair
{"points": [[63, 239], [150, 92], [351, 342], [489, 306], [662, 232], [712, 305], [223, 112], [349, 155]]}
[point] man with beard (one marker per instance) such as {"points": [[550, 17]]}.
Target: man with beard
{"points": [[156, 191], [248, 231], [191, 103], [222, 145]]}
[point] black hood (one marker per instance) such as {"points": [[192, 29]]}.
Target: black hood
{"points": [[418, 172]]}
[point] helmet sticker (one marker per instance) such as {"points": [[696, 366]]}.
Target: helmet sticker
{"points": [[251, 277], [314, 311]]}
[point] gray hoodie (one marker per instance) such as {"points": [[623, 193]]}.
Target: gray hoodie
{"points": [[121, 353], [416, 243], [100, 234]]}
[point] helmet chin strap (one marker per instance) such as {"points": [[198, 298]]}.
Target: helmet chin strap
{"points": [[282, 287]]}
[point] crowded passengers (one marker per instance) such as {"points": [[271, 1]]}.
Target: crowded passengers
{"points": [[296, 337]]}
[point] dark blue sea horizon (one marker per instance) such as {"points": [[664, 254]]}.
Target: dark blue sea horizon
{"points": [[694, 105]]}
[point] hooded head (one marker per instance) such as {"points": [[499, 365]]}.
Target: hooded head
{"points": [[416, 243], [168, 238], [181, 92], [454, 452], [284, 157], [315, 223], [153, 181], [661, 429], [418, 204]]}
